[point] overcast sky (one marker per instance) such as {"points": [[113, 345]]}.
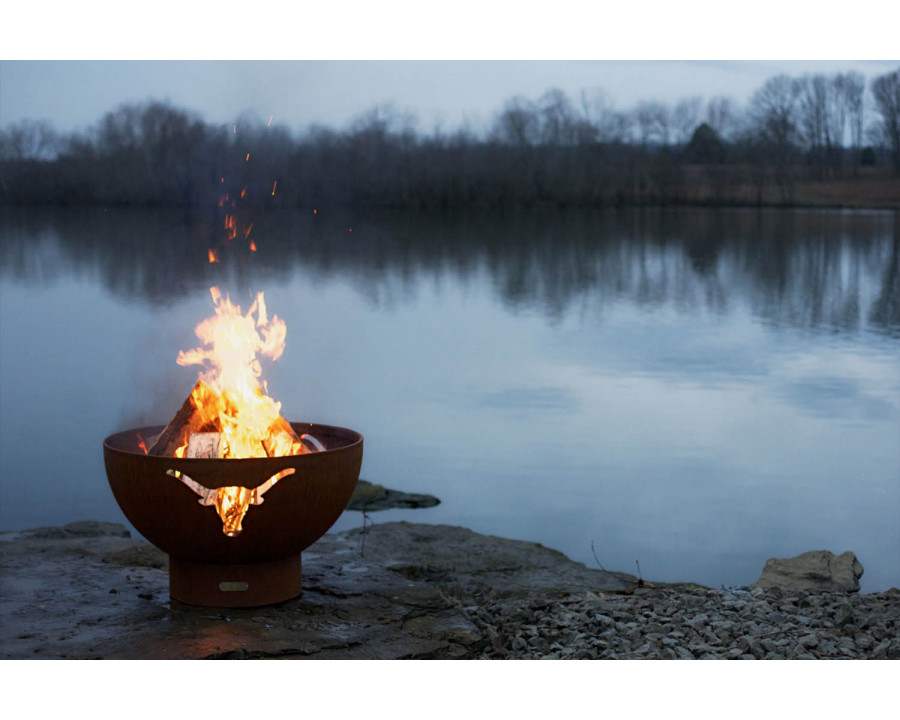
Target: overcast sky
{"points": [[72, 95], [328, 62]]}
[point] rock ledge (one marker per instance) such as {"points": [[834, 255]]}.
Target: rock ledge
{"points": [[402, 590]]}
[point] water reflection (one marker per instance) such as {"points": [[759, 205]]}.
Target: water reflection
{"points": [[817, 269]]}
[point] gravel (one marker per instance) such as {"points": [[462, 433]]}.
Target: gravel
{"points": [[689, 622]]}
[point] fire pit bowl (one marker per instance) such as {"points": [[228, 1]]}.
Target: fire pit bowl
{"points": [[261, 565]]}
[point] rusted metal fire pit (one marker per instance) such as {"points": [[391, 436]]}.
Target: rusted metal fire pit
{"points": [[261, 564]]}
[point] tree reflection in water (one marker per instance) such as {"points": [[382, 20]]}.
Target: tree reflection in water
{"points": [[809, 269]]}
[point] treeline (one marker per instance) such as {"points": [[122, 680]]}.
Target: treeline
{"points": [[555, 151]]}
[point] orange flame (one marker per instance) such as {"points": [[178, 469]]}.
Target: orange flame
{"points": [[141, 444], [252, 246], [232, 503], [213, 256], [247, 159], [237, 404], [274, 185]]}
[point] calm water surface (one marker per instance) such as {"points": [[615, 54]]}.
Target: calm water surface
{"points": [[696, 390]]}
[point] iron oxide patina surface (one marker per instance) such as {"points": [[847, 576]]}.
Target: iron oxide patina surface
{"points": [[262, 564]]}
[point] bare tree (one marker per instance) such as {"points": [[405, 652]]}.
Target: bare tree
{"points": [[78, 145], [557, 118], [816, 122], [886, 90], [653, 121], [773, 110], [722, 116], [518, 123], [28, 140], [840, 110], [119, 129], [598, 110], [853, 88], [595, 105], [685, 118], [382, 139], [384, 118]]}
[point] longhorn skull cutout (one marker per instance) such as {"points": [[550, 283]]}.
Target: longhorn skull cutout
{"points": [[231, 502]]}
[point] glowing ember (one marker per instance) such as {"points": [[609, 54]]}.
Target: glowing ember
{"points": [[230, 227]]}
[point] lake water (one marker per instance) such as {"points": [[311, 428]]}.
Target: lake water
{"points": [[696, 390]]}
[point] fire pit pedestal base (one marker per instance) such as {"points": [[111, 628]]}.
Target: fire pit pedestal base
{"points": [[249, 585]]}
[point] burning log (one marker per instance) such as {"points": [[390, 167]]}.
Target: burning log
{"points": [[280, 444], [195, 431], [282, 440], [205, 445], [186, 422], [227, 414]]}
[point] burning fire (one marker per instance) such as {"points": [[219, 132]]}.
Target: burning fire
{"points": [[228, 414], [230, 397], [232, 504]]}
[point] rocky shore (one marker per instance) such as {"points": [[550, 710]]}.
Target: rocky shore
{"points": [[686, 622], [403, 590]]}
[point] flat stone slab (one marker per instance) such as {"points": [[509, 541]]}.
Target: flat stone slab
{"points": [[88, 590]]}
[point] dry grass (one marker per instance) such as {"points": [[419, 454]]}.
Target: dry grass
{"points": [[873, 188]]}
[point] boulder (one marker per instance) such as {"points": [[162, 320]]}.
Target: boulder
{"points": [[814, 570], [369, 497]]}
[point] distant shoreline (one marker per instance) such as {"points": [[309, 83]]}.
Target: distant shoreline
{"points": [[814, 196]]}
